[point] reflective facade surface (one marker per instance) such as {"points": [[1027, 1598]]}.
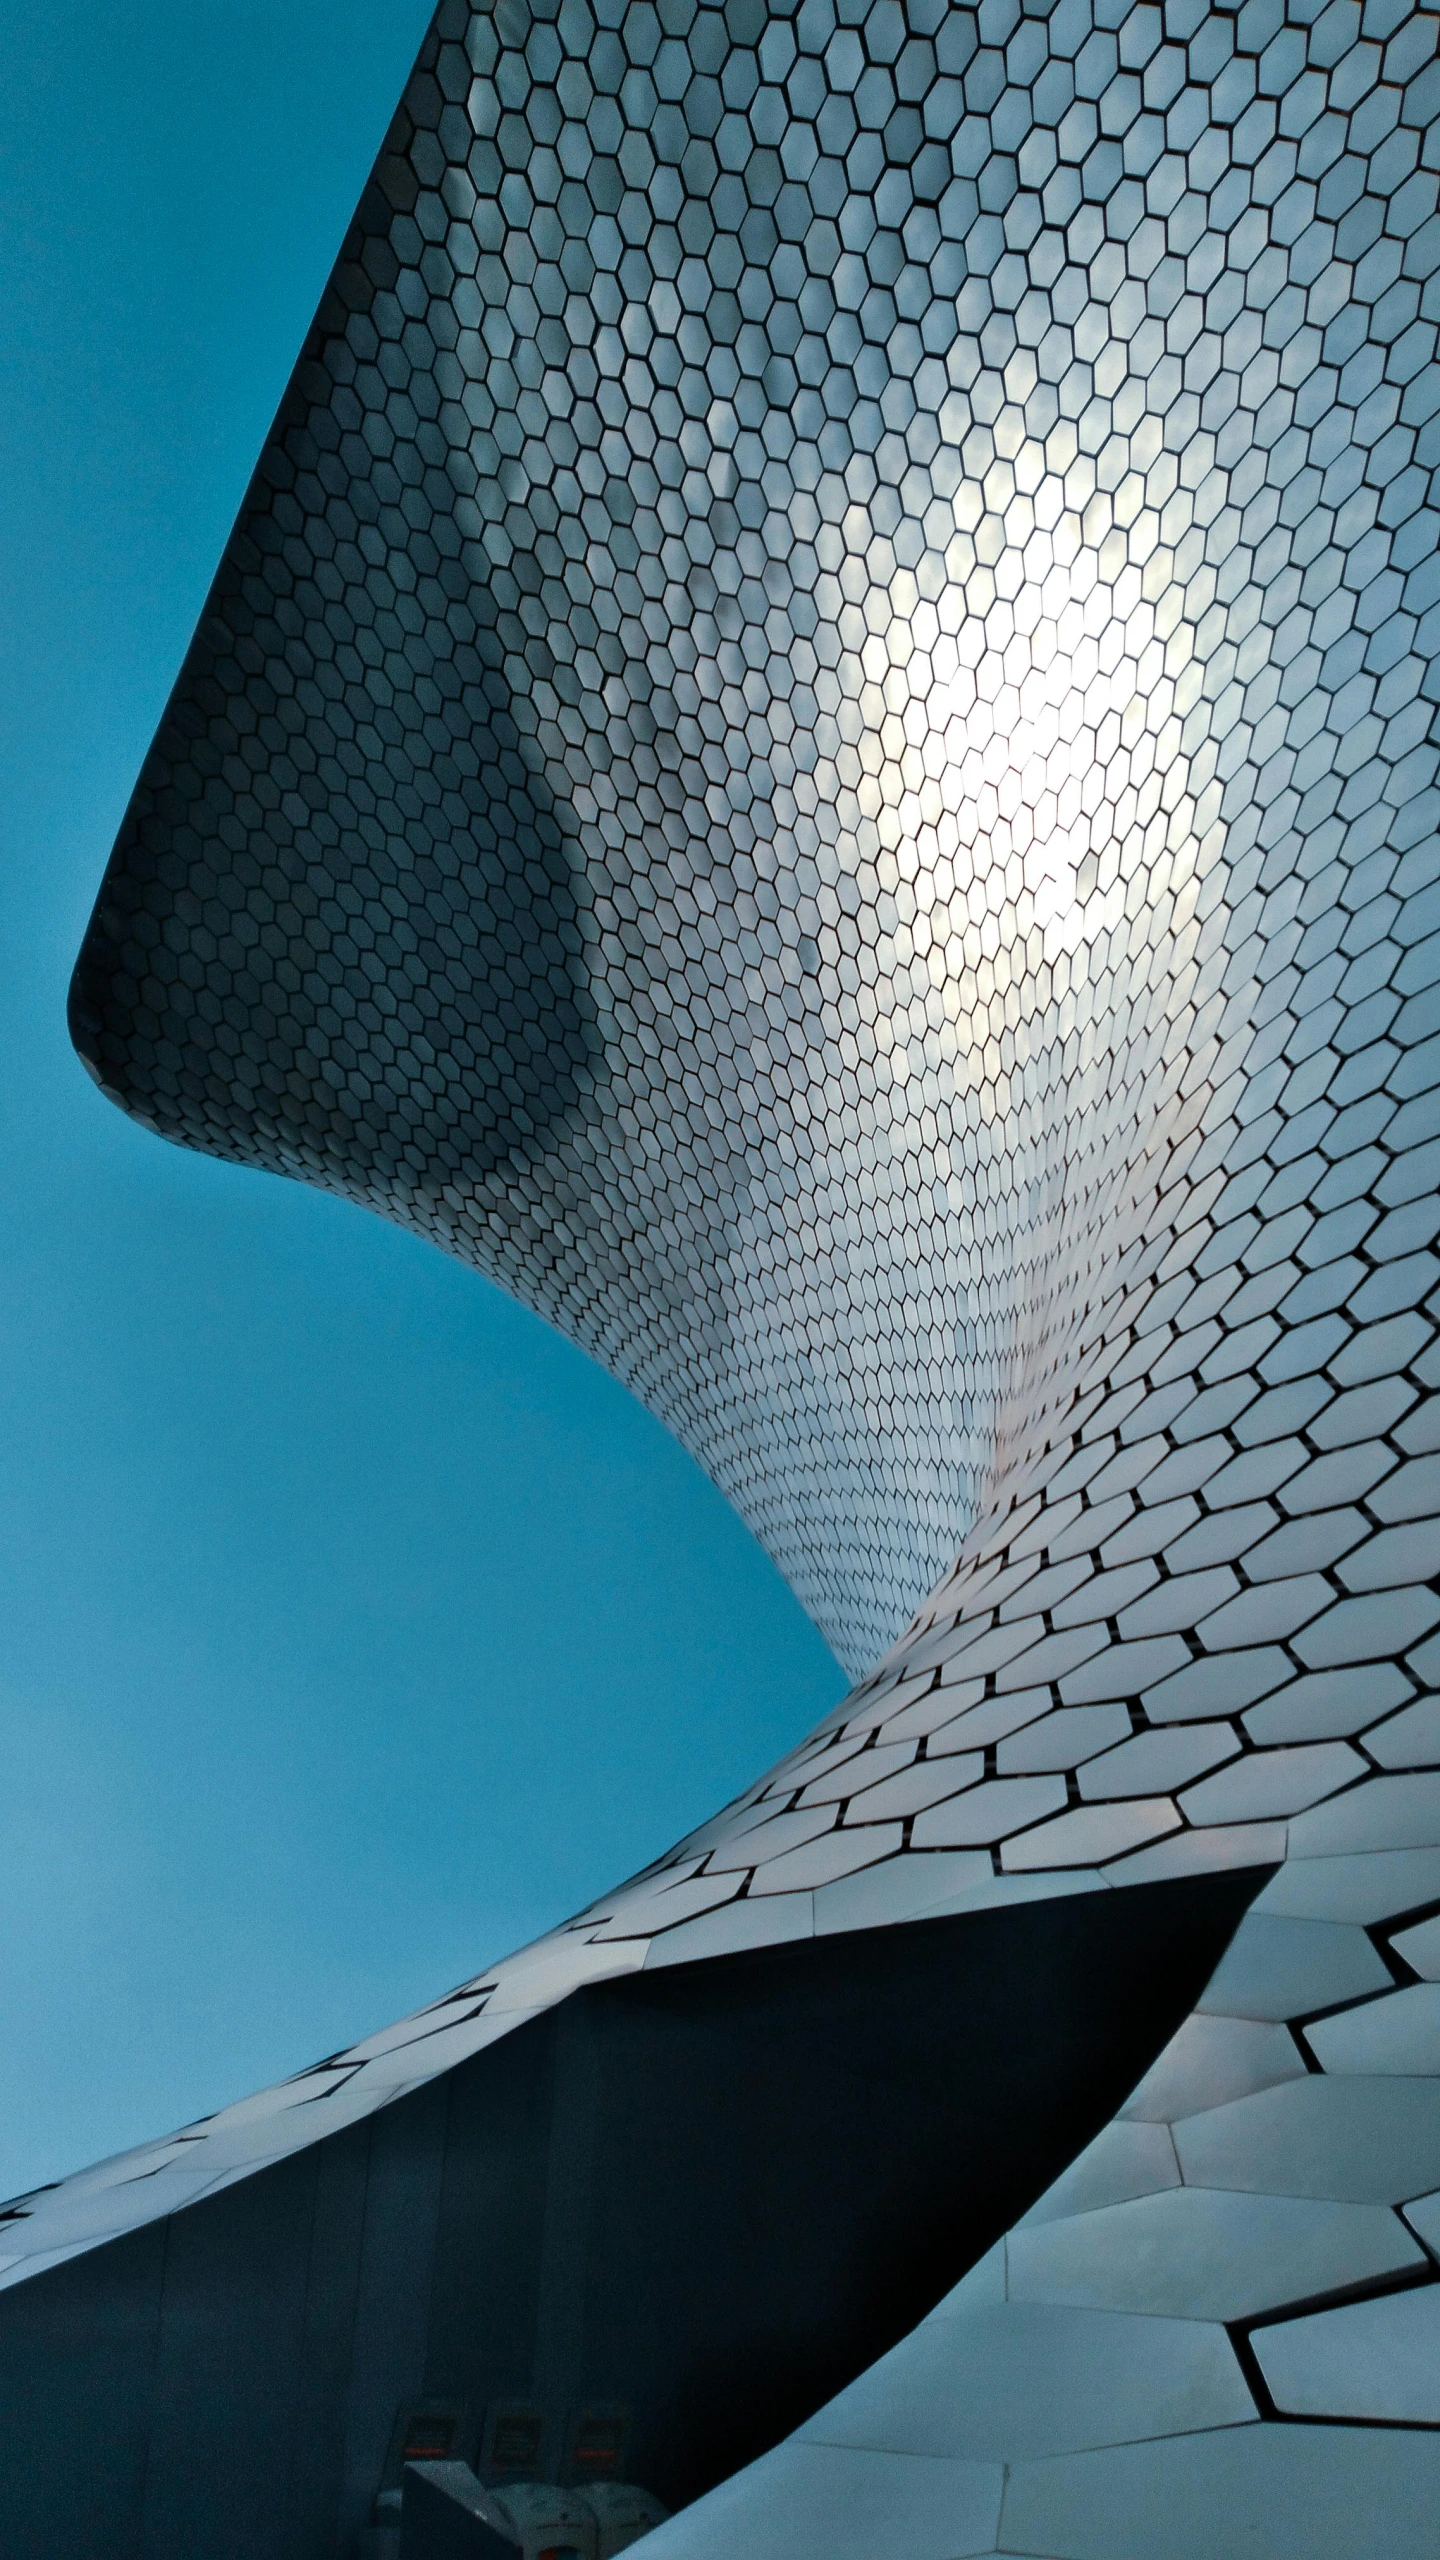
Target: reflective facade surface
{"points": [[815, 748]]}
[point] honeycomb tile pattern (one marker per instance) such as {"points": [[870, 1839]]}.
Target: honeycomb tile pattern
{"points": [[816, 746]]}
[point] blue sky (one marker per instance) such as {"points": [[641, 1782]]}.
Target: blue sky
{"points": [[352, 1626]]}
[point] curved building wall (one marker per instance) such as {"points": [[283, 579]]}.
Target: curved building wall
{"points": [[814, 746], [704, 773]]}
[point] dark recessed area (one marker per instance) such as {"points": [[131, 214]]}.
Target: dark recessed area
{"points": [[675, 2213]]}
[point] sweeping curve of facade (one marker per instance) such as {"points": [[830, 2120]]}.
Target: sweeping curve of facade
{"points": [[816, 747]]}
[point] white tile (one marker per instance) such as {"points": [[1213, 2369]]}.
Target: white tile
{"points": [[1158, 1762], [989, 1720], [1265, 1783], [1267, 1612], [643, 1914], [1408, 1553], [923, 1783], [770, 1922], [1369, 1629], [1062, 1740], [813, 1760], [847, 1775], [1091, 1833], [819, 1862], [1220, 1684], [900, 1888], [988, 1812], [921, 1714], [1328, 1703], [1059, 1266], [555, 1966]]}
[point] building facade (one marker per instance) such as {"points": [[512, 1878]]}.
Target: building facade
{"points": [[815, 747]]}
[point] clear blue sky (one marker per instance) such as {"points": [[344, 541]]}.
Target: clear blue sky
{"points": [[353, 1628]]}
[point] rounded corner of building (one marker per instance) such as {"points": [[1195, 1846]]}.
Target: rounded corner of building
{"points": [[86, 1021]]}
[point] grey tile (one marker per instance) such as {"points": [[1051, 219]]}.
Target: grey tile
{"points": [[1130, 2158], [764, 1835], [1193, 2254], [1219, 1685], [899, 1888], [989, 1721], [1062, 1740], [1423, 2214], [1209, 2060], [820, 1862], [1392, 1813], [1268, 1612], [988, 1812], [1213, 1851], [1024, 2379], [1277, 1967], [1367, 1630], [847, 1774], [1394, 1558], [1091, 1834], [1420, 1947], [1397, 2033], [1265, 1783], [1367, 2141], [768, 1922], [912, 1788], [1322, 1704], [1362, 2360], [1124, 1670], [1410, 1740], [1234, 2493], [1151, 1762], [831, 2502], [1372, 1885]]}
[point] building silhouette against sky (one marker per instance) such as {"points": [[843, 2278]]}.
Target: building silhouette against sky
{"points": [[814, 748]]}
